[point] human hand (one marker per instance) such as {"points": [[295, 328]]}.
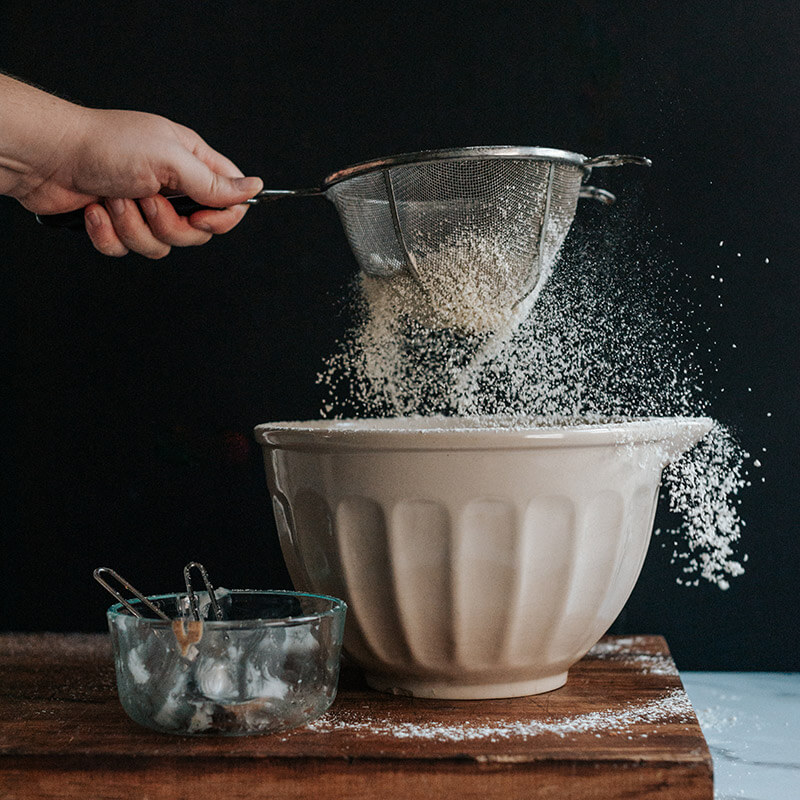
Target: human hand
{"points": [[121, 155], [63, 157]]}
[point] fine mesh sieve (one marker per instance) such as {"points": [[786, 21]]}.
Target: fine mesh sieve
{"points": [[435, 214], [498, 207]]}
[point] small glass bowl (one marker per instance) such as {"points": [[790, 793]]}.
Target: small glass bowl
{"points": [[271, 664]]}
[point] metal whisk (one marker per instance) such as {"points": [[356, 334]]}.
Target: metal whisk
{"points": [[194, 606]]}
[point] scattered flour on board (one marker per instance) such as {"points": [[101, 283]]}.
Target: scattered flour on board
{"points": [[671, 706], [604, 338], [621, 650]]}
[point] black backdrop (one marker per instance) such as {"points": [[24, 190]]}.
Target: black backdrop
{"points": [[131, 387]]}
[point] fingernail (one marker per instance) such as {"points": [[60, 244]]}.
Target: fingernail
{"points": [[93, 218], [149, 206], [116, 205], [203, 226], [249, 185]]}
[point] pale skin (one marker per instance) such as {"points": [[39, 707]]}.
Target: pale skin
{"points": [[56, 156]]}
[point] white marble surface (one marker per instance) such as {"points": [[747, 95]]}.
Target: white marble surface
{"points": [[751, 721]]}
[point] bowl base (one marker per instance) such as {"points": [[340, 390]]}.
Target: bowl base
{"points": [[467, 691]]}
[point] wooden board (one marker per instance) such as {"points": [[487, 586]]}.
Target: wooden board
{"points": [[621, 727]]}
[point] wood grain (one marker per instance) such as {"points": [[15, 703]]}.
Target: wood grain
{"points": [[64, 735]]}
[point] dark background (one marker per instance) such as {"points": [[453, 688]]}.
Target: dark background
{"points": [[131, 387]]}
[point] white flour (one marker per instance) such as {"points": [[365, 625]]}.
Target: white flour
{"points": [[701, 489], [473, 285], [673, 706], [622, 650], [604, 338]]}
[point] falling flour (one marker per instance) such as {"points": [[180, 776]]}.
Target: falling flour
{"points": [[604, 338]]}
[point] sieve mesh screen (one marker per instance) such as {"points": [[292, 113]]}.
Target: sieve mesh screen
{"points": [[416, 217]]}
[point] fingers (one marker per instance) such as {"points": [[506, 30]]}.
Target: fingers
{"points": [[168, 226], [152, 227], [194, 176], [218, 221], [120, 226], [101, 231], [131, 229]]}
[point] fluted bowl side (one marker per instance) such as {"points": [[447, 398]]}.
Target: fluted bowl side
{"points": [[477, 560]]}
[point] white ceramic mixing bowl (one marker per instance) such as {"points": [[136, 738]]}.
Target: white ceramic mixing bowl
{"points": [[476, 561]]}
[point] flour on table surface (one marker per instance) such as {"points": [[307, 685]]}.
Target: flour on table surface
{"points": [[647, 663], [672, 706]]}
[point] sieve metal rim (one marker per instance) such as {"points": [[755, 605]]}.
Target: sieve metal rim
{"points": [[458, 154]]}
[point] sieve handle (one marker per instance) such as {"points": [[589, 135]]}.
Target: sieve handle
{"points": [[183, 205], [593, 193], [616, 160]]}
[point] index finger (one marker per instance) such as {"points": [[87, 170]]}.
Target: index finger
{"points": [[168, 226], [221, 221]]}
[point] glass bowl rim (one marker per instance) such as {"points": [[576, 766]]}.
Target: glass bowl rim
{"points": [[337, 607]]}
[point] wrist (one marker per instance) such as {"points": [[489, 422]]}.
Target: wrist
{"points": [[37, 132]]}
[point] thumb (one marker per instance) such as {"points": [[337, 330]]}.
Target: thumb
{"points": [[210, 188]]}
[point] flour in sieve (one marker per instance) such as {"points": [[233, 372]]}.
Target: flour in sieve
{"points": [[471, 284]]}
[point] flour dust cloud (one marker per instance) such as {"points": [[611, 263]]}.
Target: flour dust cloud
{"points": [[606, 336]]}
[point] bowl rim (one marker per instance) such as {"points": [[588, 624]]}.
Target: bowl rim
{"points": [[337, 607], [480, 433]]}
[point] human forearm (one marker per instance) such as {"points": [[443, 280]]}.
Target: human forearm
{"points": [[35, 127]]}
